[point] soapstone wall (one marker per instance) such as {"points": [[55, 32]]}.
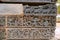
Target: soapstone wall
{"points": [[28, 22]]}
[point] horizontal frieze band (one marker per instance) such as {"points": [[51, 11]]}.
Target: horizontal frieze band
{"points": [[31, 1], [29, 33], [48, 9]]}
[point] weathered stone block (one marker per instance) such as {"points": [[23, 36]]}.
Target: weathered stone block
{"points": [[29, 33], [39, 21], [2, 21], [14, 21], [11, 9], [49, 9], [2, 34]]}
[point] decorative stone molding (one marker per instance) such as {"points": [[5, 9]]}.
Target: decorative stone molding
{"points": [[46, 1], [2, 34], [29, 33], [2, 21], [14, 21], [27, 21], [48, 9], [39, 21], [35, 22]]}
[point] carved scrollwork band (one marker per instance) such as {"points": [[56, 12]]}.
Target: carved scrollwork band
{"points": [[39, 21], [29, 33], [48, 9], [28, 21]]}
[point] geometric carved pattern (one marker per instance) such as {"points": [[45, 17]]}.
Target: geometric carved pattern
{"points": [[14, 21], [31, 21], [29, 33], [2, 34], [49, 9], [28, 21], [38, 21], [2, 21]]}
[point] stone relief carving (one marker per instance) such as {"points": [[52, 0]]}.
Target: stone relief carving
{"points": [[38, 21], [14, 21], [42, 9], [32, 26], [2, 21], [29, 33], [2, 34], [28, 21]]}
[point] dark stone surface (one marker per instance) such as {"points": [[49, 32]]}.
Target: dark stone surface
{"points": [[28, 1]]}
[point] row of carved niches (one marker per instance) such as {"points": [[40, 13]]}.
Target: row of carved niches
{"points": [[30, 33], [45, 1], [28, 21], [2, 34], [47, 9]]}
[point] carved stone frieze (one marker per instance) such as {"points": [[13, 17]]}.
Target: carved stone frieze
{"points": [[29, 33], [48, 9]]}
